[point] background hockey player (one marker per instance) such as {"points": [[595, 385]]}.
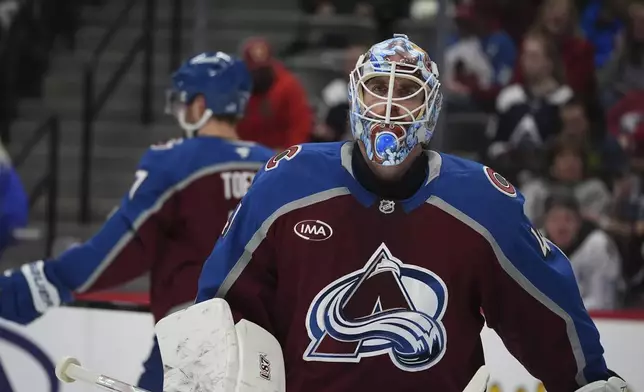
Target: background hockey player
{"points": [[372, 263], [171, 217]]}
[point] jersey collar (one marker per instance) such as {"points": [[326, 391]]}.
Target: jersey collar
{"points": [[367, 198]]}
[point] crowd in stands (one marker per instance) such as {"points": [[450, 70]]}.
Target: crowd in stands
{"points": [[562, 84], [565, 126], [29, 30]]}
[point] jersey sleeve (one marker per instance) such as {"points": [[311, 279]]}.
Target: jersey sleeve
{"points": [[127, 244], [531, 299], [241, 267], [526, 285]]}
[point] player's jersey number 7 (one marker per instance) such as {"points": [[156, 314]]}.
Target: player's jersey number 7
{"points": [[140, 176]]}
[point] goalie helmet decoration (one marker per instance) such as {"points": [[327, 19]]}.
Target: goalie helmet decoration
{"points": [[392, 75], [223, 80]]}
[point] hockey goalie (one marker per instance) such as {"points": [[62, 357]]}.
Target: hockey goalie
{"points": [[373, 264]]}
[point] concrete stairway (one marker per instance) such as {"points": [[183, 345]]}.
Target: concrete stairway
{"points": [[119, 137]]}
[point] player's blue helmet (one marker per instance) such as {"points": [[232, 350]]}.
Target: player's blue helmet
{"points": [[381, 115], [223, 81]]}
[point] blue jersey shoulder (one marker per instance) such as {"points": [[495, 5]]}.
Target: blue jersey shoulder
{"points": [[243, 151], [299, 176], [299, 172], [178, 159], [479, 192]]}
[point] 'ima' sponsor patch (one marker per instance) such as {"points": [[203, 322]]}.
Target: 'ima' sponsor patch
{"points": [[500, 182]]}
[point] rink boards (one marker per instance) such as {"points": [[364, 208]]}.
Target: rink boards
{"points": [[117, 342]]}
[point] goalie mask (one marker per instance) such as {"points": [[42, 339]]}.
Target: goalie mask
{"points": [[395, 99]]}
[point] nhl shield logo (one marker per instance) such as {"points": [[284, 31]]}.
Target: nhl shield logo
{"points": [[387, 206], [386, 308]]}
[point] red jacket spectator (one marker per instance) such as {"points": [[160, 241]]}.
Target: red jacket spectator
{"points": [[577, 56], [512, 16], [558, 20], [626, 122], [278, 113]]}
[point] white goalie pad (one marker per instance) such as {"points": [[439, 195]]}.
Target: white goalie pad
{"points": [[614, 384], [203, 350], [478, 383]]}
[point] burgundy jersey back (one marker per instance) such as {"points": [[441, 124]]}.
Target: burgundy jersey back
{"points": [[372, 294], [168, 222]]}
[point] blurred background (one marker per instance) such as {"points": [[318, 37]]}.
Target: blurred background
{"points": [[550, 93]]}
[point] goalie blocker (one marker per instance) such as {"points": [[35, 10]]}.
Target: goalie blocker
{"points": [[203, 349]]}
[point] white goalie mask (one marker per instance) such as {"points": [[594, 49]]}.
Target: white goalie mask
{"points": [[395, 99]]}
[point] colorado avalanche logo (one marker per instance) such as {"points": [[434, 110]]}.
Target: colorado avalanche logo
{"points": [[386, 308]]}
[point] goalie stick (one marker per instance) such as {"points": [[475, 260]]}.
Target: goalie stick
{"points": [[69, 370], [204, 349]]}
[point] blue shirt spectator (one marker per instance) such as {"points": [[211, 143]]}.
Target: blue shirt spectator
{"points": [[601, 25], [480, 60]]}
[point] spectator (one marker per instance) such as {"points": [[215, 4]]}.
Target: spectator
{"points": [[278, 113], [593, 255], [335, 102], [566, 172], [625, 71], [513, 17], [626, 123], [527, 114], [606, 157], [602, 23], [625, 211], [557, 21], [385, 14], [14, 204], [8, 11], [479, 63]]}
